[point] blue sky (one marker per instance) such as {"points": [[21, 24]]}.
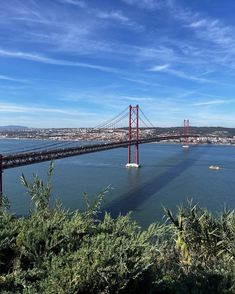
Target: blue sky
{"points": [[76, 63]]}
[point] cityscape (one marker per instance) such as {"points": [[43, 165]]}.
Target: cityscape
{"points": [[221, 136]]}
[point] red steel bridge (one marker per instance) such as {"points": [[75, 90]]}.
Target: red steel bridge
{"points": [[59, 149]]}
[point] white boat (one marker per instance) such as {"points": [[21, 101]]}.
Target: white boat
{"points": [[133, 165], [214, 167], [185, 146]]}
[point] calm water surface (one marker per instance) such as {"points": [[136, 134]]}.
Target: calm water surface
{"points": [[169, 176]]}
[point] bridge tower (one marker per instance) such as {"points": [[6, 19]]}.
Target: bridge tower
{"points": [[133, 137], [186, 133], [1, 195]]}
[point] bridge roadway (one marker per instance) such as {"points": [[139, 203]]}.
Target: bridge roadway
{"points": [[21, 159]]}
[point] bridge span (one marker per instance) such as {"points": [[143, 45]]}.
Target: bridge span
{"points": [[22, 159]]}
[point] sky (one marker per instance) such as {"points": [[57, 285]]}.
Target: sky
{"points": [[76, 63]]}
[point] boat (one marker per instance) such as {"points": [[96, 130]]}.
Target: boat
{"points": [[214, 167], [136, 165], [185, 146]]}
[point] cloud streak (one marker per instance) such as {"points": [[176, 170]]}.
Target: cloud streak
{"points": [[165, 68], [157, 68], [16, 108], [137, 99], [52, 61], [119, 18], [113, 15], [213, 102], [206, 28], [78, 3], [10, 79], [147, 4]]}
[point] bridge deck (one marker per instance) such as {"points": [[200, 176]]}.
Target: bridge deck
{"points": [[21, 159]]}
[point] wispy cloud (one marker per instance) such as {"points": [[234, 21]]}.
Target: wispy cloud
{"points": [[53, 26], [16, 108], [187, 76], [119, 18], [49, 60], [78, 3], [214, 31], [148, 4], [214, 102], [113, 15], [198, 24], [13, 88], [159, 67], [11, 79], [38, 116], [23, 11], [206, 28], [181, 74], [137, 99]]}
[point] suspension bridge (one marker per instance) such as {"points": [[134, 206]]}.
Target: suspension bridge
{"points": [[135, 121]]}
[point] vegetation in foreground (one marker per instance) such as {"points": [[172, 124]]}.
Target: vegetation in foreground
{"points": [[55, 251]]}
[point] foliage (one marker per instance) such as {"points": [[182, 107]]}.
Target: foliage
{"points": [[56, 251]]}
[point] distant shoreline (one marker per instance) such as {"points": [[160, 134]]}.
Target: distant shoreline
{"points": [[78, 140]]}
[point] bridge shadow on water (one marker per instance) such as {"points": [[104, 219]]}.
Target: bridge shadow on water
{"points": [[132, 199]]}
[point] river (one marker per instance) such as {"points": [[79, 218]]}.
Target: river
{"points": [[168, 177]]}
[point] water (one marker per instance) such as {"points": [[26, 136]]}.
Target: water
{"points": [[169, 176]]}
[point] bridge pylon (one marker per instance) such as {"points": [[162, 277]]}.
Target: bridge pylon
{"points": [[133, 137], [186, 134]]}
